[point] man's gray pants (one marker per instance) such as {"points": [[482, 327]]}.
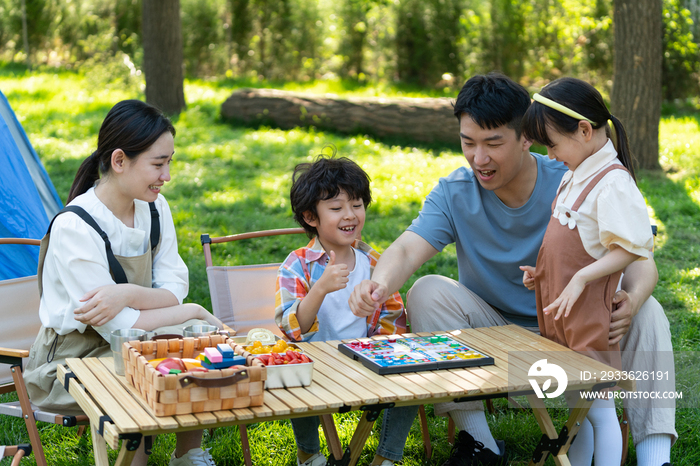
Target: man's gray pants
{"points": [[436, 303]]}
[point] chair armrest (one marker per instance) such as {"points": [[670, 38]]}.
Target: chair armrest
{"points": [[14, 353], [7, 388]]}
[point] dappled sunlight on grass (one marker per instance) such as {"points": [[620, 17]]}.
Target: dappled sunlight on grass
{"points": [[679, 141], [201, 91]]}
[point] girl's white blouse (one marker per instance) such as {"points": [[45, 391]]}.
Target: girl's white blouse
{"points": [[76, 261], [614, 212]]}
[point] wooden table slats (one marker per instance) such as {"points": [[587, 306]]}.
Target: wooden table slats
{"points": [[338, 383], [121, 418]]}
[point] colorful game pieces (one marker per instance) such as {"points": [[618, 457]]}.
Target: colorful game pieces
{"points": [[220, 357], [213, 355], [225, 350], [168, 365]]}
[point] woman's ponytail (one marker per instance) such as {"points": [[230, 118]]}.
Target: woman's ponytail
{"points": [[88, 173], [622, 145]]}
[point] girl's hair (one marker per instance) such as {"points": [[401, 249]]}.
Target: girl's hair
{"points": [[132, 126], [583, 98], [324, 179]]}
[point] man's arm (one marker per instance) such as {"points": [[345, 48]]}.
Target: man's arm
{"points": [[395, 266], [638, 283]]}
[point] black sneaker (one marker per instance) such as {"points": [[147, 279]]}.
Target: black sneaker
{"points": [[469, 452]]}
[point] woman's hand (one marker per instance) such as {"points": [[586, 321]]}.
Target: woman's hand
{"points": [[102, 304], [203, 314]]}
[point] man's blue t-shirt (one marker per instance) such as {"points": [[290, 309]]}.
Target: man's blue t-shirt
{"points": [[492, 240]]}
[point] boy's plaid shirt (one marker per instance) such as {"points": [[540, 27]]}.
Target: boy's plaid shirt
{"points": [[303, 268]]}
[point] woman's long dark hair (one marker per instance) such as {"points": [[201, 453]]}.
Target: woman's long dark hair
{"points": [[583, 98], [132, 126]]}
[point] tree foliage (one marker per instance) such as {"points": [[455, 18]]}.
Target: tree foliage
{"points": [[434, 43]]}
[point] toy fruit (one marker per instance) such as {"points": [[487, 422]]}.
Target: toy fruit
{"points": [[288, 357]]}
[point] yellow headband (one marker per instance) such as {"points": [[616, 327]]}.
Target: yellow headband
{"points": [[573, 114], [557, 106]]}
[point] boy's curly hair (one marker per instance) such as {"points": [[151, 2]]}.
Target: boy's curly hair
{"points": [[324, 179]]}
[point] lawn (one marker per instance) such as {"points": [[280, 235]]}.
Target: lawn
{"points": [[230, 179]]}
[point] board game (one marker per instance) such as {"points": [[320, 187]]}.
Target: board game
{"points": [[412, 354]]}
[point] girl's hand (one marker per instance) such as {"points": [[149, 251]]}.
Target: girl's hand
{"points": [[102, 304], [528, 276], [565, 301], [335, 277]]}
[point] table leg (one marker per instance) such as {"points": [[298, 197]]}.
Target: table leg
{"points": [[99, 447], [331, 436], [125, 456], [576, 417], [427, 446], [551, 440], [359, 438]]}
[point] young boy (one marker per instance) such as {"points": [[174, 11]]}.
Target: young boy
{"points": [[329, 198]]}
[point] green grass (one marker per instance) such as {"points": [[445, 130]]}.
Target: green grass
{"points": [[230, 179]]}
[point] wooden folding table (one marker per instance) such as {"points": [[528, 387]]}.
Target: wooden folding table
{"points": [[340, 384]]}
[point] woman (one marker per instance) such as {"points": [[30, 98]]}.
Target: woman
{"points": [[109, 260]]}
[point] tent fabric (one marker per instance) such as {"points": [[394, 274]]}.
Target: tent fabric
{"points": [[28, 199]]}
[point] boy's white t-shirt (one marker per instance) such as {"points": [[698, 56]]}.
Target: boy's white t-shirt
{"points": [[335, 319]]}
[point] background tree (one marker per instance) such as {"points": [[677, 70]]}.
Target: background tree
{"points": [[505, 49], [636, 96], [413, 55], [200, 44], [427, 38], [352, 46], [598, 34], [162, 55], [240, 33], [681, 61]]}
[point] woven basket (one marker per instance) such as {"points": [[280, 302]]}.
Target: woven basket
{"points": [[174, 394]]}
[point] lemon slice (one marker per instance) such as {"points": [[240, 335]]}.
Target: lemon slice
{"points": [[262, 335]]}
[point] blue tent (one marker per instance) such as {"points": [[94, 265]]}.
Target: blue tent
{"points": [[28, 199]]}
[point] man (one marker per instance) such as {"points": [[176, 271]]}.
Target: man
{"points": [[496, 213]]}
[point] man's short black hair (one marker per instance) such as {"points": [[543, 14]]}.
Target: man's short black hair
{"points": [[493, 100], [324, 179]]}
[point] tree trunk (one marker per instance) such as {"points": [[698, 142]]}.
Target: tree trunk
{"points": [[424, 120], [636, 95], [162, 55]]}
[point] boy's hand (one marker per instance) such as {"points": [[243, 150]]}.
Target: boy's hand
{"points": [[335, 277], [528, 276], [567, 298]]}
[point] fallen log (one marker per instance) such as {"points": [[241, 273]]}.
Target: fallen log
{"points": [[424, 120]]}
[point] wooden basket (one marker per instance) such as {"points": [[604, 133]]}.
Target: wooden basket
{"points": [[174, 394]]}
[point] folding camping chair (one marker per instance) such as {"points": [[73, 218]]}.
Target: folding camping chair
{"points": [[243, 297], [19, 312]]}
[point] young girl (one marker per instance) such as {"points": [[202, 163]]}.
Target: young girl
{"points": [[599, 225], [109, 260]]}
